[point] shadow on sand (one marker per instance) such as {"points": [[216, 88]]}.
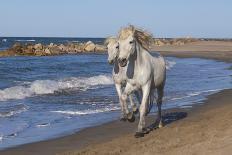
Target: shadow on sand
{"points": [[168, 118]]}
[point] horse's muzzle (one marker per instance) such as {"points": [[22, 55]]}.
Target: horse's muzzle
{"points": [[122, 62]]}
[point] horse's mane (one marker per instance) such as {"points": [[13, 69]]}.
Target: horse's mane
{"points": [[143, 37], [110, 40]]}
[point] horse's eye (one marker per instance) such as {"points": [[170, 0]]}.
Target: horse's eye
{"points": [[131, 42]]}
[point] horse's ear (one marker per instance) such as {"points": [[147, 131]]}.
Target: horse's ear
{"points": [[132, 28]]}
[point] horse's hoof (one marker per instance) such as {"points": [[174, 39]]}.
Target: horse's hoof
{"points": [[123, 119], [161, 125], [139, 134], [146, 130], [135, 110], [130, 117]]}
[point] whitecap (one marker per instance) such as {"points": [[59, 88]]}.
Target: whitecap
{"points": [[40, 87], [1, 137], [170, 64], [4, 40]]}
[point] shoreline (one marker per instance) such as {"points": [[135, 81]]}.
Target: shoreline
{"points": [[101, 139], [87, 140]]}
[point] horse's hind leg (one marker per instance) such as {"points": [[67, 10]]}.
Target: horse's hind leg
{"points": [[160, 92]]}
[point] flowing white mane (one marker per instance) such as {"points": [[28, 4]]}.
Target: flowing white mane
{"points": [[109, 40], [143, 37]]}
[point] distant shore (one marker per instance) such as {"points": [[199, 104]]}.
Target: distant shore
{"points": [[203, 129], [218, 50]]}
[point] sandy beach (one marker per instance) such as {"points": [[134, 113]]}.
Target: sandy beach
{"points": [[218, 50], [203, 129]]}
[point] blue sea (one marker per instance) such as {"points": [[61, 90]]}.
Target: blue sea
{"points": [[53, 96]]}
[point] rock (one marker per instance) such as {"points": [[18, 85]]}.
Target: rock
{"points": [[52, 49], [100, 48], [38, 46], [51, 45], [89, 47], [47, 51], [39, 53], [62, 47]]}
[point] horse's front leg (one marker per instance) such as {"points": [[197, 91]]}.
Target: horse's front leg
{"points": [[127, 91], [143, 110], [133, 105], [124, 112]]}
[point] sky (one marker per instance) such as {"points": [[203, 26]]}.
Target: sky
{"points": [[103, 18]]}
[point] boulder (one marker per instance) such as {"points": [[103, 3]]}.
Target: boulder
{"points": [[39, 53], [38, 46], [89, 46], [100, 48], [47, 51]]}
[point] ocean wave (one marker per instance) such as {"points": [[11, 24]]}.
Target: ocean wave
{"points": [[17, 110], [170, 64], [40, 87], [4, 40], [86, 112], [31, 40], [204, 91], [195, 94]]}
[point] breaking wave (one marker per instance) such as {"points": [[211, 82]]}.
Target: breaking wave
{"points": [[40, 87], [4, 40]]}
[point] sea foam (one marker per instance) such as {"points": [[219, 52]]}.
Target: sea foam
{"points": [[87, 112]]}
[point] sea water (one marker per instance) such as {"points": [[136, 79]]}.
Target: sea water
{"points": [[47, 97]]}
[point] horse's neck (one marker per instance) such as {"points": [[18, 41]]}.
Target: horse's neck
{"points": [[137, 58]]}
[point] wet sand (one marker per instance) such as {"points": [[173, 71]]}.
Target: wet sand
{"points": [[204, 129]]}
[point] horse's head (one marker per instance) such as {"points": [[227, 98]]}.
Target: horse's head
{"points": [[113, 49], [126, 42], [129, 38]]}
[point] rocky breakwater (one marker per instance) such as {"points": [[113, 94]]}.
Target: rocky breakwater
{"points": [[52, 49], [74, 48]]}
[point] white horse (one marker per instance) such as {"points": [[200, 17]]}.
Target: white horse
{"points": [[143, 71], [119, 77]]}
